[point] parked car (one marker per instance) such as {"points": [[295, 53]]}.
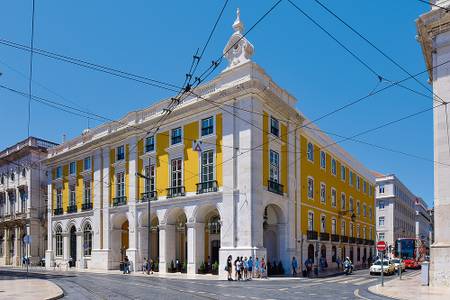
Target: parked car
{"points": [[398, 264], [388, 268], [411, 264]]}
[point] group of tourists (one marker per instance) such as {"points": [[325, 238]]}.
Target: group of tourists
{"points": [[148, 266], [245, 269]]}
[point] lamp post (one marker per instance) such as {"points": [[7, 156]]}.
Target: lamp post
{"points": [[148, 211]]}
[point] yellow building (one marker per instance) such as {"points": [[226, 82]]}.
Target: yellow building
{"points": [[227, 174]]}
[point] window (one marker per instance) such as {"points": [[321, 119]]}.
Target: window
{"points": [[207, 126], [23, 194], [343, 173], [357, 231], [333, 197], [120, 184], [150, 144], [333, 167], [310, 221], [358, 183], [351, 229], [87, 236], [343, 204], [381, 204], [310, 188], [350, 181], [365, 187], [59, 241], [24, 172], [2, 241], [364, 210], [274, 126], [176, 136], [370, 212], [323, 159], [12, 176], [274, 166], [370, 190], [343, 228], [58, 172], [350, 204], [72, 196], [176, 174], [323, 192], [121, 152], [150, 180], [72, 168], [87, 163], [87, 191], [310, 152], [381, 236], [323, 224], [358, 208], [208, 166], [381, 221], [381, 189], [371, 233], [333, 226], [58, 198], [364, 233]]}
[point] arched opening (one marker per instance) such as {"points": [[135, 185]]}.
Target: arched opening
{"points": [[352, 258], [343, 253], [323, 251], [87, 240], [212, 242], [73, 246], [333, 253], [58, 241], [181, 243], [154, 240], [273, 220], [311, 252], [358, 254], [124, 239]]}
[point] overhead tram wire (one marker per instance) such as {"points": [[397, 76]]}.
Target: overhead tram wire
{"points": [[30, 80], [383, 53]]}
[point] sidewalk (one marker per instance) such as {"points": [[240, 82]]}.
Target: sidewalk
{"points": [[29, 289], [410, 287]]}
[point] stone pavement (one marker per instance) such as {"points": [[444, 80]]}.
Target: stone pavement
{"points": [[29, 289], [410, 287]]}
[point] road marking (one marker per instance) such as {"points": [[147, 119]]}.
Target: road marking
{"points": [[365, 281], [283, 289], [356, 293]]}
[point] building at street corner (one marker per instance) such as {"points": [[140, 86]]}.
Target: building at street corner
{"points": [[23, 201], [433, 30], [423, 222], [231, 171]]}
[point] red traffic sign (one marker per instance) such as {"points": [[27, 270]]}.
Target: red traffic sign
{"points": [[381, 246]]}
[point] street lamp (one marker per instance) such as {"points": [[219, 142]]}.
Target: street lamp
{"points": [[148, 210]]}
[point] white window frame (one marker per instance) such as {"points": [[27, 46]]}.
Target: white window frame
{"points": [[333, 226], [181, 136], [381, 221], [323, 160], [333, 201], [323, 193], [74, 171], [310, 220], [310, 190], [274, 168], [177, 173], [212, 164], [343, 201], [323, 223], [120, 185], [333, 167], [343, 174], [87, 192], [310, 151]]}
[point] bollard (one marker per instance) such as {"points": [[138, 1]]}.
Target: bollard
{"points": [[425, 274]]}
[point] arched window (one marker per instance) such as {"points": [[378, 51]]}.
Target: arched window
{"points": [[310, 152], [2, 240], [87, 235], [59, 241], [214, 225], [323, 224], [333, 226]]}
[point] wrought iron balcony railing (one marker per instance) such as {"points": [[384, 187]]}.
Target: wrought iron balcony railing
{"points": [[324, 236], [149, 196], [311, 235], [72, 209], [207, 187], [86, 206], [351, 240], [58, 211], [275, 187], [119, 201], [344, 238], [335, 238], [176, 191]]}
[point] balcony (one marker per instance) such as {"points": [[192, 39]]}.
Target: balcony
{"points": [[176, 191], [311, 235], [72, 209], [274, 187], [207, 187], [344, 238], [335, 238], [351, 240], [324, 236], [149, 196], [58, 211], [86, 206], [119, 201], [359, 241], [371, 242]]}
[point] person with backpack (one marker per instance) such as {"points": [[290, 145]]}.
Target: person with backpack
{"points": [[229, 268], [263, 268], [294, 266], [250, 267]]}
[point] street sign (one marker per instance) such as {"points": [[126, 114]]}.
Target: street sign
{"points": [[381, 246], [27, 239], [197, 146]]}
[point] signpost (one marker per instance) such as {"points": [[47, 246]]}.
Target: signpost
{"points": [[381, 247], [27, 240]]}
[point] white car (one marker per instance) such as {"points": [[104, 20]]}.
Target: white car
{"points": [[388, 268], [398, 263]]}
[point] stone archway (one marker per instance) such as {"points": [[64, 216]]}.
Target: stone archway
{"points": [[145, 231], [72, 246], [119, 239], [274, 239], [175, 241]]}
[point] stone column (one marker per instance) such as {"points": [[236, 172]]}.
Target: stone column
{"points": [[80, 250], [17, 247], [166, 246], [49, 254], [132, 212], [66, 246], [196, 246]]}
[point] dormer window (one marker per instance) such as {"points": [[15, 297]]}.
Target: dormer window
{"points": [[12, 176], [274, 126], [176, 136], [207, 126], [72, 168], [87, 163], [24, 172], [121, 152], [150, 144], [58, 172]]}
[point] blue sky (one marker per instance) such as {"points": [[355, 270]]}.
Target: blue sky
{"points": [[157, 39]]}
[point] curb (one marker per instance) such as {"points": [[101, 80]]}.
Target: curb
{"points": [[369, 289]]}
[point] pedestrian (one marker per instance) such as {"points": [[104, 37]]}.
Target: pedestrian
{"points": [[208, 265], [150, 266], [250, 267], [294, 266], [257, 265], [145, 266], [242, 267], [236, 269], [338, 263], [263, 268], [229, 267], [126, 265], [308, 265], [245, 268], [177, 265]]}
